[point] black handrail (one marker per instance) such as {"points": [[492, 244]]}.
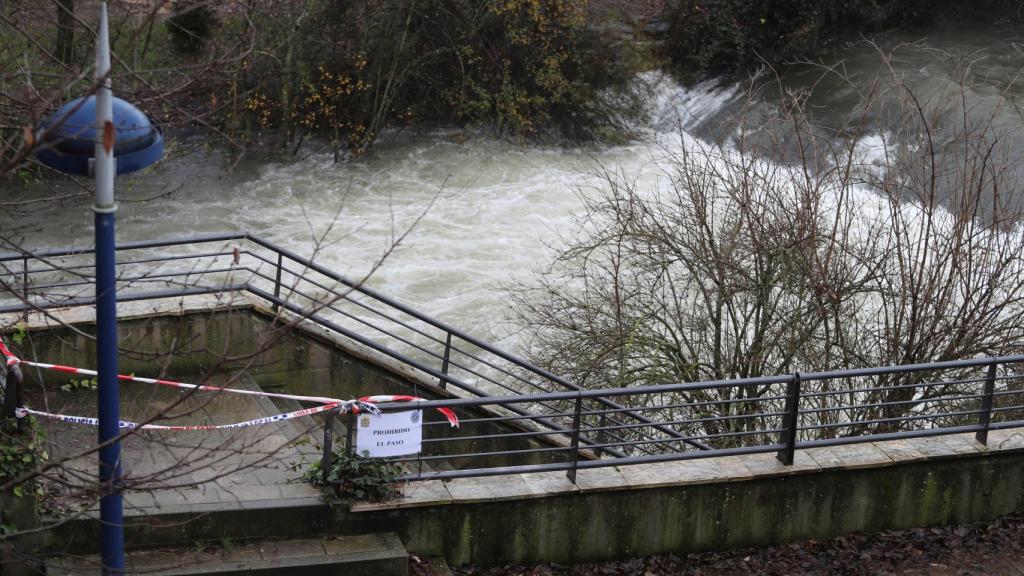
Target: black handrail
{"points": [[442, 376], [769, 436], [393, 354], [141, 244], [778, 428], [451, 330], [712, 384], [646, 432]]}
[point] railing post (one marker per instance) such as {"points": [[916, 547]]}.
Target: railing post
{"points": [[11, 380], [277, 283], [24, 285], [790, 421], [14, 372], [328, 458], [575, 438], [444, 362], [7, 409], [985, 416]]}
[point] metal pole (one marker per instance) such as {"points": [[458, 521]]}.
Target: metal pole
{"points": [[790, 422], [24, 286], [8, 411], [108, 402], [14, 396], [985, 414], [574, 443], [277, 284], [326, 461], [444, 362]]}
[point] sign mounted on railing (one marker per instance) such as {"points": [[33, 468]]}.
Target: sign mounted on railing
{"points": [[393, 434]]}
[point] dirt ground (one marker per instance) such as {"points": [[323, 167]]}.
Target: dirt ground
{"points": [[991, 549]]}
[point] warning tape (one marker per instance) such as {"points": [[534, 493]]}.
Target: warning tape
{"points": [[10, 358], [342, 407], [204, 388], [453, 420]]}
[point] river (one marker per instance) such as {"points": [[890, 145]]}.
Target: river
{"points": [[492, 210]]}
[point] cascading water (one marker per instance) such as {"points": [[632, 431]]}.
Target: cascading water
{"points": [[496, 209], [491, 209]]}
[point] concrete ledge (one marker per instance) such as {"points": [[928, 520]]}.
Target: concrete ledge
{"points": [[369, 555], [704, 504], [180, 306], [850, 456], [187, 523]]}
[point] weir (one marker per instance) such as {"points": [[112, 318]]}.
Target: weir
{"points": [[572, 475]]}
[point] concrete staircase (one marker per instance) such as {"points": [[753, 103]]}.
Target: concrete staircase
{"points": [[359, 555]]}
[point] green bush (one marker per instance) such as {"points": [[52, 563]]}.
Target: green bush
{"points": [[19, 453], [348, 71], [357, 477]]}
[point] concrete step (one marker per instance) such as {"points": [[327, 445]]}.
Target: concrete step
{"points": [[359, 555]]}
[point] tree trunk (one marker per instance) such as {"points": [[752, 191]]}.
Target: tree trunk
{"points": [[65, 30], [287, 104]]}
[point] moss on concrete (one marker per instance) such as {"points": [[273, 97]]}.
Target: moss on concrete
{"points": [[594, 526]]}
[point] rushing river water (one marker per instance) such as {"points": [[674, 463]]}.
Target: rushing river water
{"points": [[492, 210]]}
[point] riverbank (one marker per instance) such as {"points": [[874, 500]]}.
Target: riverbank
{"points": [[278, 75], [345, 73], [735, 37]]}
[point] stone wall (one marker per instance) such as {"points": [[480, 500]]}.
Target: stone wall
{"points": [[706, 504]]}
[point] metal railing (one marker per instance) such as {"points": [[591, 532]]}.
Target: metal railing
{"points": [[300, 287], [538, 421], [777, 414], [12, 394]]}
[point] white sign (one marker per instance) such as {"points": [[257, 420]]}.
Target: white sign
{"points": [[393, 434]]}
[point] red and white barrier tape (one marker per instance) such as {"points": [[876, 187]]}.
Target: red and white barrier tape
{"points": [[343, 407], [453, 420], [11, 358], [328, 403], [131, 378]]}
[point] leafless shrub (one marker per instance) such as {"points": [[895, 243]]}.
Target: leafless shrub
{"points": [[785, 248]]}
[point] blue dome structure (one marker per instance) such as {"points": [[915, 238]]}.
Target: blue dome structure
{"points": [[68, 137]]}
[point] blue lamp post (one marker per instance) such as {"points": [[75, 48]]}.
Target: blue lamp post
{"points": [[103, 136]]}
